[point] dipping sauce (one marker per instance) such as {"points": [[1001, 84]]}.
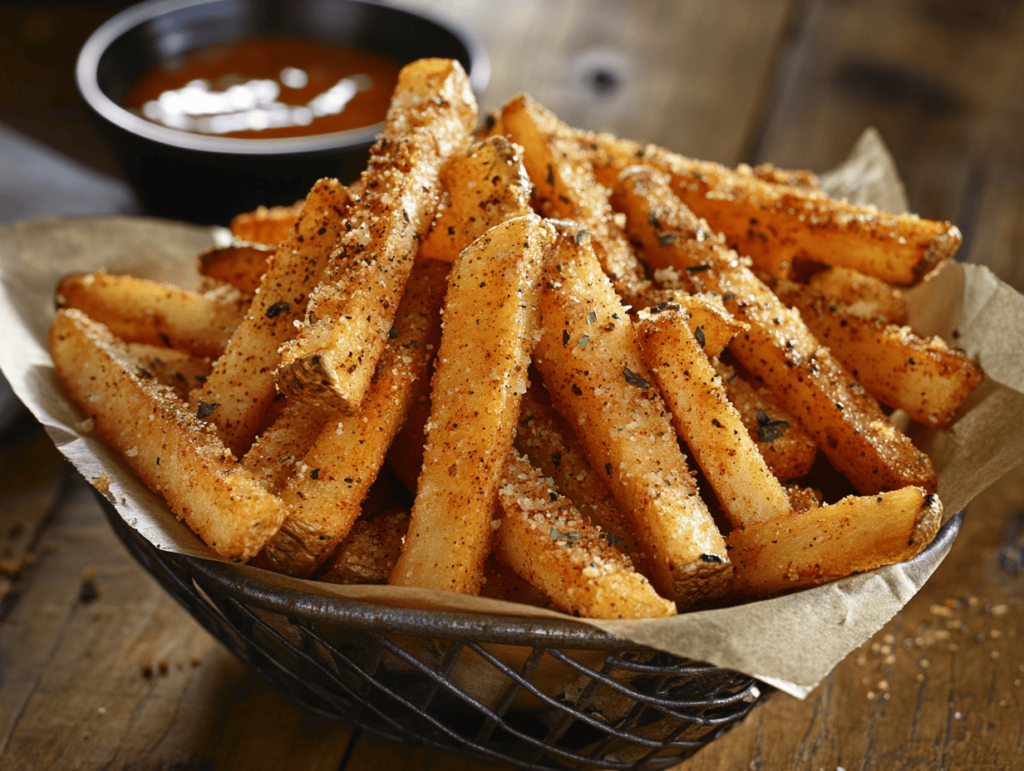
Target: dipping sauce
{"points": [[267, 88]]}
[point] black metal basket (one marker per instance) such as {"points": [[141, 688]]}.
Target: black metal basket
{"points": [[534, 694]]}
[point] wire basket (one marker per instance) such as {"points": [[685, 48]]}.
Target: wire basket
{"points": [[536, 694]]}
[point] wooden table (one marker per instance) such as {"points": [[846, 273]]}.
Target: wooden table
{"points": [[100, 669]]}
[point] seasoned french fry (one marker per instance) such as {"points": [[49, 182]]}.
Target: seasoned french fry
{"points": [[703, 416], [284, 442], [241, 265], [858, 533], [775, 223], [242, 382], [481, 374], [567, 188], [332, 359], [142, 311], [547, 541], [705, 315], [591, 363], [178, 370], [923, 377], [859, 294], [784, 444], [501, 582], [847, 424], [162, 441], [269, 226], [367, 555], [326, 491]]}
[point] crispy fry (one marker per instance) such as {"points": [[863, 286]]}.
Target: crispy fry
{"points": [[547, 541], [705, 315], [592, 366], [242, 381], [703, 416], [779, 350], [332, 359], [784, 444], [566, 188], [858, 533], [774, 224], [860, 295], [501, 582], [923, 377], [287, 439], [142, 311], [178, 370], [489, 327], [326, 491], [266, 226], [367, 555], [162, 440], [241, 265]]}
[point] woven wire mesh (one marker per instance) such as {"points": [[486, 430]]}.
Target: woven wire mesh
{"points": [[534, 694]]}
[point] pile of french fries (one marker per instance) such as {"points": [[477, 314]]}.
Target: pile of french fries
{"points": [[608, 378]]}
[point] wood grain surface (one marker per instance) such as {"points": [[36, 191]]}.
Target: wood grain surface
{"points": [[100, 669]]}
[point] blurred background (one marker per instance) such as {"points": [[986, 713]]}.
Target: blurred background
{"points": [[791, 82]]}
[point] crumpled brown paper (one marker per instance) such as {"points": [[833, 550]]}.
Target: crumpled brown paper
{"points": [[791, 642]]}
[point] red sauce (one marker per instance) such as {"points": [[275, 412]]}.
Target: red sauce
{"points": [[267, 88]]}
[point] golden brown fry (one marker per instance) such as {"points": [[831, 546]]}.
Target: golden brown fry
{"points": [[847, 424], [859, 294], [592, 366], [703, 416], [162, 440], [501, 582], [566, 188], [705, 315], [326, 491], [266, 226], [142, 311], [241, 265], [481, 374], [242, 381], [774, 224], [176, 369], [283, 443], [547, 541], [367, 555], [858, 533], [923, 377], [784, 444], [331, 360]]}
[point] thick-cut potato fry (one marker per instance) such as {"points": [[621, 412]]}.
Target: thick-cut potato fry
{"points": [[490, 322], [283, 443], [325, 493], [269, 226], [859, 294], [925, 378], [367, 555], [162, 441], [566, 188], [858, 533], [549, 443], [784, 444], [703, 416], [501, 582], [178, 370], [591, 363], [547, 541], [705, 315], [142, 311], [485, 185], [774, 224], [242, 382], [846, 423], [241, 265], [332, 359]]}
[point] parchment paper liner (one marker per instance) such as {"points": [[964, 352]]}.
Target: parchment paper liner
{"points": [[790, 642]]}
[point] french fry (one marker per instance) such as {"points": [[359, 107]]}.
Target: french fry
{"points": [[268, 226], [860, 295], [774, 224], [592, 366], [481, 374], [501, 582], [566, 188], [847, 425], [784, 444], [241, 265], [142, 311], [332, 359], [705, 315], [242, 382], [367, 555], [923, 377], [547, 541], [178, 370], [856, 534], [703, 416], [283, 443], [162, 441], [326, 491]]}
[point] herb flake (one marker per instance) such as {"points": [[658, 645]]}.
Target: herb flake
{"points": [[634, 379], [698, 333], [205, 409], [277, 309], [769, 430]]}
